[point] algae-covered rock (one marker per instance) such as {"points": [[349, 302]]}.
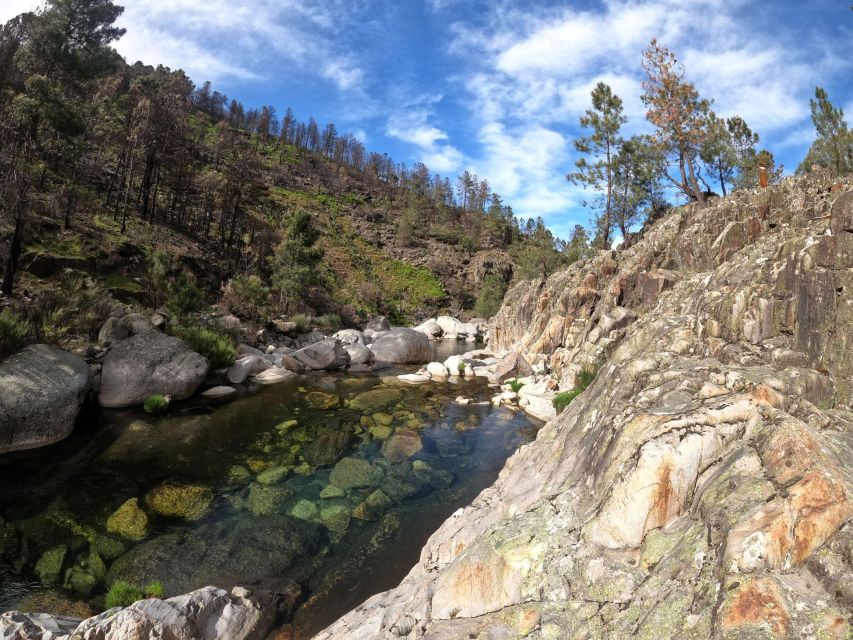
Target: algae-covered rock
{"points": [[383, 419], [267, 499], [328, 446], [190, 502], [322, 400], [106, 547], [304, 510], [354, 473], [331, 491], [381, 432], [49, 565], [402, 445], [273, 475], [238, 474], [375, 399], [80, 581], [129, 521], [336, 518], [373, 506]]}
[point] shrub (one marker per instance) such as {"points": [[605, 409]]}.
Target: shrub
{"points": [[330, 322], [564, 399], [123, 593], [491, 296], [217, 347], [585, 378], [461, 366], [184, 296], [515, 385], [246, 296], [13, 333], [303, 322], [156, 404]]}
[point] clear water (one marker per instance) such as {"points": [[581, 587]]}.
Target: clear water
{"points": [[261, 535]]}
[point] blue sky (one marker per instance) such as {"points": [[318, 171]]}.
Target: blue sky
{"points": [[497, 86]]}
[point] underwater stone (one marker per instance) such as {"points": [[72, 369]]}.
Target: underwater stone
{"points": [[129, 521], [375, 399], [336, 518], [273, 475], [238, 474], [190, 502], [402, 445], [331, 491], [49, 565], [372, 507], [354, 473], [267, 500], [304, 510], [321, 400]]}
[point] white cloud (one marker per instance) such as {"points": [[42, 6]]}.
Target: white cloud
{"points": [[11, 8], [411, 124]]}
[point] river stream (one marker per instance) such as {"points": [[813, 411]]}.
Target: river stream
{"points": [[332, 482]]}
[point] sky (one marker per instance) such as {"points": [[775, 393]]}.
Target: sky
{"points": [[497, 86]]}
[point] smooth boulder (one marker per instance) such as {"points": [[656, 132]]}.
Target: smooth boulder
{"points": [[359, 354], [41, 391], [150, 363], [402, 346], [246, 366], [326, 355]]}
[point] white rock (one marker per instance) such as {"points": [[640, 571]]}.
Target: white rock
{"points": [[273, 375], [219, 392], [437, 370]]}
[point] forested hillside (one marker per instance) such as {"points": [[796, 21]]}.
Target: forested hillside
{"points": [[128, 182]]}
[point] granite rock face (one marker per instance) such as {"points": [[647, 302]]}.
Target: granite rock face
{"points": [[701, 486], [41, 391]]}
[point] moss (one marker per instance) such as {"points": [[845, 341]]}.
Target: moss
{"points": [[120, 282], [49, 565], [80, 581], [156, 404], [129, 521], [190, 502]]}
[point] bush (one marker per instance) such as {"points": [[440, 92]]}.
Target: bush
{"points": [[303, 322], [184, 296], [564, 399], [246, 296], [515, 385], [123, 593], [156, 404], [330, 322], [585, 378], [218, 348], [13, 333], [491, 296]]}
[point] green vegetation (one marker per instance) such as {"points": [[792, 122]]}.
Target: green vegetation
{"points": [[13, 333], [156, 404], [833, 148], [218, 348], [303, 322], [515, 385], [246, 296], [296, 260], [123, 594], [564, 398], [329, 323], [489, 299]]}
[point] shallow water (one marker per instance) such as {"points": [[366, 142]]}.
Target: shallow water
{"points": [[262, 521]]}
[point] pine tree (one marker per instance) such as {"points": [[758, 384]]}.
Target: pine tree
{"points": [[605, 119], [833, 148], [296, 259]]}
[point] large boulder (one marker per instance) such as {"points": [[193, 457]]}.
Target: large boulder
{"points": [[430, 328], [205, 614], [245, 367], [450, 327], [379, 323], [349, 336], [402, 346], [328, 354], [150, 363], [115, 329], [41, 391], [512, 366], [358, 353]]}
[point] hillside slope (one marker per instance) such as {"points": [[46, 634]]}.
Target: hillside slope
{"points": [[701, 486]]}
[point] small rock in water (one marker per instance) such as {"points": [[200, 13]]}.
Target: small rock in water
{"points": [[238, 474], [273, 475], [304, 510], [402, 445], [336, 518], [331, 491], [354, 473], [219, 392], [372, 507], [129, 521], [267, 500], [190, 502]]}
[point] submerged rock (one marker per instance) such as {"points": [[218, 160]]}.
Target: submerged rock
{"points": [[268, 499], [129, 521], [41, 391], [355, 473], [374, 399], [373, 506], [190, 502], [402, 445]]}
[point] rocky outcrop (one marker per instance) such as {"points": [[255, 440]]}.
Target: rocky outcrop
{"points": [[402, 346], [41, 391], [205, 614], [701, 486], [150, 363]]}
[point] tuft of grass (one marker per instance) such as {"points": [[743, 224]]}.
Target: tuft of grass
{"points": [[515, 385], [156, 404], [330, 322], [13, 333], [303, 322], [123, 593], [564, 399], [218, 348]]}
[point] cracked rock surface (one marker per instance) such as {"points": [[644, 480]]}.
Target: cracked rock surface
{"points": [[701, 486]]}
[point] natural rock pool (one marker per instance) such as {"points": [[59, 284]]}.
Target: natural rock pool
{"points": [[332, 482]]}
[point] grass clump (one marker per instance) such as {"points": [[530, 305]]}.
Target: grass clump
{"points": [[564, 398], [123, 593], [13, 333], [303, 322], [515, 384], [329, 322], [156, 404], [218, 348]]}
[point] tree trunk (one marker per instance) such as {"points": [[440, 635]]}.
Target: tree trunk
{"points": [[11, 266]]}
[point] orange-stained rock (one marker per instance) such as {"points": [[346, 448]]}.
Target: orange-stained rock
{"points": [[759, 604]]}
